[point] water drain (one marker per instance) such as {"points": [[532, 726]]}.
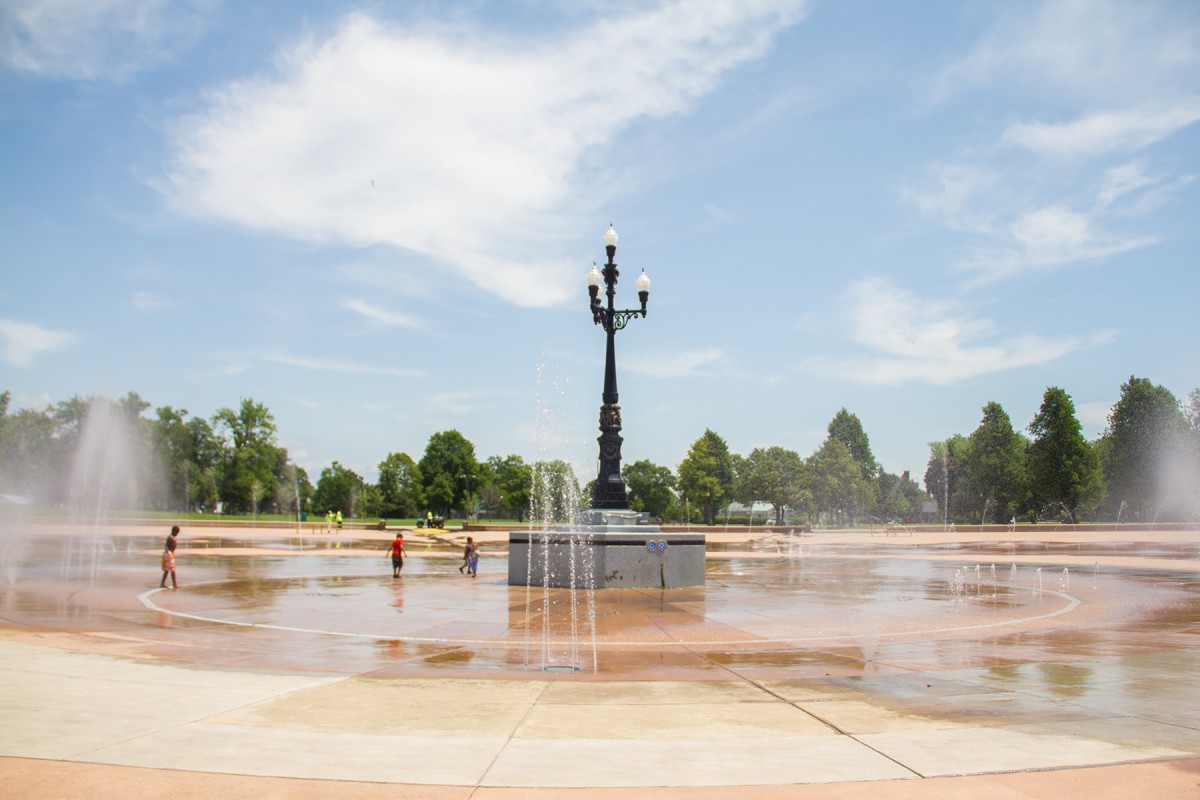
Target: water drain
{"points": [[560, 668]]}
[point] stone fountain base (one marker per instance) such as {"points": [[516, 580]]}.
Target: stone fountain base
{"points": [[607, 551]]}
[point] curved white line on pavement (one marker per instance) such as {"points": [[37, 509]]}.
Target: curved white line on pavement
{"points": [[145, 598]]}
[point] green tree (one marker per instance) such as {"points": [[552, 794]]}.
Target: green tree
{"points": [[847, 428], [338, 489], [399, 486], [447, 469], [944, 475], [251, 460], [172, 444], [1149, 461], [29, 463], [707, 475], [206, 453], [899, 496], [506, 485], [774, 475], [1063, 468], [838, 484], [369, 502], [294, 491], [996, 477], [651, 487]]}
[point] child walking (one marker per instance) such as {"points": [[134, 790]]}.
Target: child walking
{"points": [[168, 560], [472, 557], [467, 548]]}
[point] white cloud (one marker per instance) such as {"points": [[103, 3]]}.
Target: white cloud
{"points": [[1086, 49], [951, 191], [382, 315], [456, 402], [1117, 78], [1057, 235], [22, 342], [338, 365], [915, 339], [704, 361], [149, 302], [1125, 129], [1122, 180], [1047, 238], [473, 152], [90, 39]]}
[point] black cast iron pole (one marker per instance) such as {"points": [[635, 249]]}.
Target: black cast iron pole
{"points": [[609, 492]]}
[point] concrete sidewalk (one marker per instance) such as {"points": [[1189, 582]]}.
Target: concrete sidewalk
{"points": [[184, 728]]}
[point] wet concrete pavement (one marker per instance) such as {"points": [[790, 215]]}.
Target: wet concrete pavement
{"points": [[839, 661]]}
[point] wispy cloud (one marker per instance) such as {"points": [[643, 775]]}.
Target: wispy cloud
{"points": [[1125, 129], [1121, 180], [444, 142], [22, 342], [702, 361], [96, 39], [1098, 81], [456, 402], [148, 302], [912, 339], [337, 365], [1046, 238], [1086, 50], [951, 191], [382, 315]]}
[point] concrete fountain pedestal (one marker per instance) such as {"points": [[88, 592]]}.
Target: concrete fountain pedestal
{"points": [[607, 549]]}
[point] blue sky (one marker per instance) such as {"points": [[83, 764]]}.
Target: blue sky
{"points": [[377, 218]]}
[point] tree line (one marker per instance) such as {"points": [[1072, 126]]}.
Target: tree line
{"points": [[1144, 467], [89, 451]]}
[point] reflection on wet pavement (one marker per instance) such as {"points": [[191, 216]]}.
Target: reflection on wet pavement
{"points": [[840, 610], [802, 660]]}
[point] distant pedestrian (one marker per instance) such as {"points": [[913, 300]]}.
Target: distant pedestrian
{"points": [[168, 560], [467, 548], [428, 519], [473, 559], [329, 521], [338, 517], [398, 553]]}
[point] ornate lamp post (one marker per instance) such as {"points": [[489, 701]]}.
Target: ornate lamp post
{"points": [[606, 546], [610, 486]]}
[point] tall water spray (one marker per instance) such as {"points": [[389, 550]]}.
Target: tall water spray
{"points": [[105, 477], [567, 616]]}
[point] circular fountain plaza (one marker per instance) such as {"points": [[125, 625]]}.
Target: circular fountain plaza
{"points": [[824, 661]]}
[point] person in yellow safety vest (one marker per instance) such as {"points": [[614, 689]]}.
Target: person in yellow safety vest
{"points": [[428, 519], [339, 520], [329, 521]]}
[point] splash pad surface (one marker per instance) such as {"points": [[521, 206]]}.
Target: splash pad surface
{"points": [[814, 659]]}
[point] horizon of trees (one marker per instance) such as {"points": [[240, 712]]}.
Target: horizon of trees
{"points": [[95, 452]]}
